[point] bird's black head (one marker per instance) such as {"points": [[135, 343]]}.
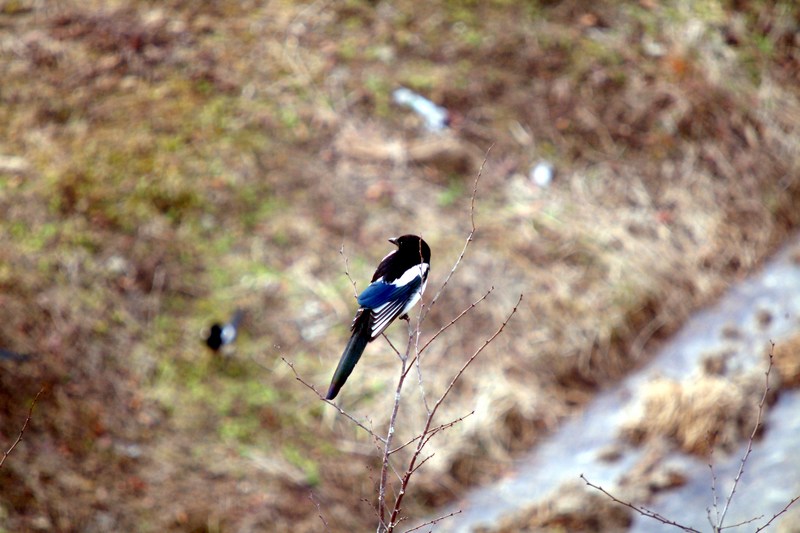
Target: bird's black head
{"points": [[214, 340], [412, 245]]}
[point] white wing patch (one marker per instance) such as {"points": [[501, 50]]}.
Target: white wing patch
{"points": [[228, 334], [383, 315], [417, 270]]}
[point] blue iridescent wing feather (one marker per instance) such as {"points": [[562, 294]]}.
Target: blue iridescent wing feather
{"points": [[380, 293], [387, 300]]}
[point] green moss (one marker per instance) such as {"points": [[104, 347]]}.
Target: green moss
{"points": [[422, 79], [18, 230], [204, 86], [239, 429], [288, 117], [454, 191], [300, 459], [379, 88], [472, 38], [463, 11], [45, 265], [171, 143], [348, 49]]}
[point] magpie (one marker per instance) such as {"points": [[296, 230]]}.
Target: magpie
{"points": [[396, 287], [223, 334]]}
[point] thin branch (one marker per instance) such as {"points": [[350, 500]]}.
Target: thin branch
{"points": [[751, 439], [24, 426], [406, 444], [742, 523], [391, 345], [641, 510], [469, 236], [419, 465], [760, 406], [461, 314], [433, 431], [347, 271], [474, 355], [418, 360], [720, 516], [329, 402], [713, 490], [390, 434], [421, 442], [434, 521], [374, 509], [423, 312], [776, 515], [319, 510], [418, 351], [447, 425]]}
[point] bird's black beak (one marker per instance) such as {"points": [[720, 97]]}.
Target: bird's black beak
{"points": [[393, 240]]}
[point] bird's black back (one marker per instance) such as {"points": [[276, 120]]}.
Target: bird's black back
{"points": [[411, 251]]}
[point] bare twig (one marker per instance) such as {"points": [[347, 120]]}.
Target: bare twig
{"points": [[446, 425], [477, 352], [433, 431], [760, 409], [347, 271], [718, 525], [742, 523], [449, 324], [414, 335], [750, 440], [422, 462], [390, 434], [319, 510], [418, 360], [410, 469], [418, 351], [24, 426], [641, 510], [713, 489], [392, 346], [468, 240], [776, 515], [329, 402], [434, 521]]}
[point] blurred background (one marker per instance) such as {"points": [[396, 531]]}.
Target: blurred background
{"points": [[164, 163]]}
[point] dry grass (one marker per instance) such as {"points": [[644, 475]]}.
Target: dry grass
{"points": [[166, 163], [572, 507], [787, 361], [699, 414]]}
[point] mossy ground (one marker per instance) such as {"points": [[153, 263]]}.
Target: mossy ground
{"points": [[163, 163]]}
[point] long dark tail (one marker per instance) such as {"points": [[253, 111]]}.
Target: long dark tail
{"points": [[238, 315], [352, 352]]}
